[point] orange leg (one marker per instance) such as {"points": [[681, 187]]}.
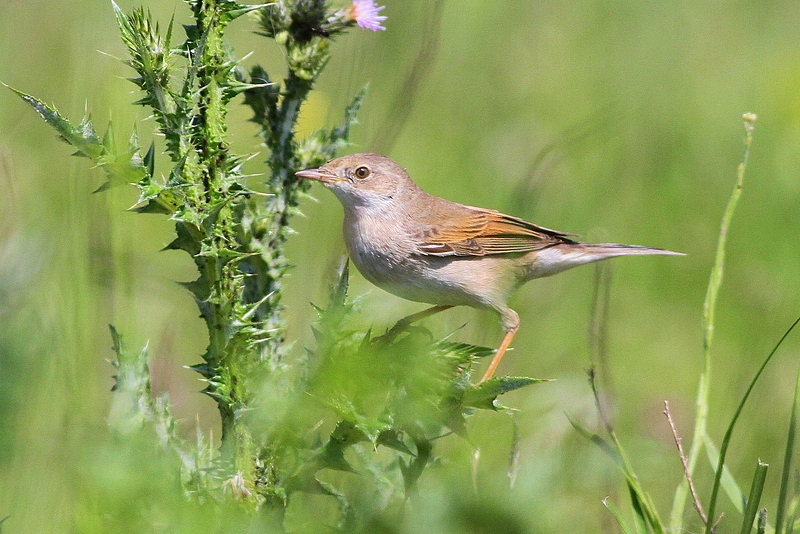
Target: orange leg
{"points": [[501, 350]]}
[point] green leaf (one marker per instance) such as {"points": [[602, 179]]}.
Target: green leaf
{"points": [[332, 457], [200, 290], [234, 10], [153, 206], [203, 368], [645, 512], [188, 238], [754, 499], [464, 352], [393, 439], [150, 161], [262, 97], [211, 214], [132, 404], [340, 134], [321, 145], [412, 470], [134, 374], [729, 432], [82, 137], [347, 433], [727, 481], [120, 168], [485, 394], [618, 516], [604, 445], [344, 505], [781, 508], [338, 295]]}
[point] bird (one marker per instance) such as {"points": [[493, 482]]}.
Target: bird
{"points": [[427, 249]]}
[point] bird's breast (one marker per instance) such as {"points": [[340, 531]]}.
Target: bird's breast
{"points": [[379, 249], [385, 252]]}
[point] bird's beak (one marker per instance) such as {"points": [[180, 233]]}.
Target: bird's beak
{"points": [[320, 175]]}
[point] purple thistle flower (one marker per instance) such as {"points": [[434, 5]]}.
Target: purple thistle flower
{"points": [[365, 13]]}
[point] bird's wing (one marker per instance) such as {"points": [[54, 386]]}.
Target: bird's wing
{"points": [[471, 231]]}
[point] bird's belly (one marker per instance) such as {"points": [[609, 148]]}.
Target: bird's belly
{"points": [[478, 282]]}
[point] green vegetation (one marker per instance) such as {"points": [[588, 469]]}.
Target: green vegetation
{"points": [[619, 121]]}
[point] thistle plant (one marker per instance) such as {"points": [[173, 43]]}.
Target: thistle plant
{"points": [[352, 394]]}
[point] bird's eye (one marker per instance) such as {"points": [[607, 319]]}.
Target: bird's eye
{"points": [[362, 172]]}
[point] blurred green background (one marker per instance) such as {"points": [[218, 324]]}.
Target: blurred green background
{"points": [[617, 120]]}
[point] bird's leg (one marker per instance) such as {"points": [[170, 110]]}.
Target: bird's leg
{"points": [[511, 322], [404, 323], [501, 350]]}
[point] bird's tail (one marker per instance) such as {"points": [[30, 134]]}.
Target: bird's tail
{"points": [[561, 257]]}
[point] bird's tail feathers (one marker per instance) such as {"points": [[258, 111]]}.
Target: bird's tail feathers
{"points": [[561, 257], [613, 249]]}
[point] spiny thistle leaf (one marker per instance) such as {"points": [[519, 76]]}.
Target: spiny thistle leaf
{"points": [[332, 457], [149, 160], [120, 168], [412, 470], [340, 134], [134, 372], [132, 406], [82, 137], [234, 10], [188, 238], [262, 96], [393, 438], [485, 394], [322, 145], [338, 294], [347, 433], [157, 199], [463, 353]]}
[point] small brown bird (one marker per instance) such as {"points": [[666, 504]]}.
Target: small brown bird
{"points": [[428, 249]]}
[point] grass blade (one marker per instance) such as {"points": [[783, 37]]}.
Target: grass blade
{"points": [[618, 516], [754, 499], [709, 307], [729, 432], [728, 483], [780, 508], [645, 511]]}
